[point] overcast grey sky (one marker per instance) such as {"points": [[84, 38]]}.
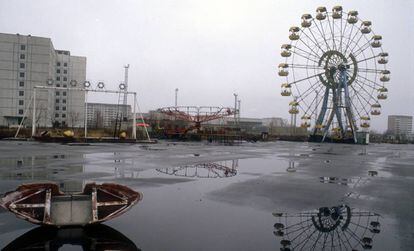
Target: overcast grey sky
{"points": [[209, 49]]}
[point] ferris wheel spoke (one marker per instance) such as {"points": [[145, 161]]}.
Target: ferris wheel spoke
{"points": [[369, 80], [352, 39], [314, 100], [332, 31], [362, 48], [315, 42], [307, 54], [342, 34], [322, 33], [311, 50], [306, 93], [366, 59], [300, 80], [359, 99], [362, 87], [369, 70], [305, 66], [357, 42]]}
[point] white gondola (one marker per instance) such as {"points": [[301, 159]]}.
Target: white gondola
{"points": [[294, 33], [365, 121], [382, 93], [352, 17], [293, 107], [337, 12], [286, 89], [306, 20], [366, 27], [305, 121], [383, 58], [286, 50], [321, 13], [376, 41], [283, 70], [376, 109], [385, 76]]}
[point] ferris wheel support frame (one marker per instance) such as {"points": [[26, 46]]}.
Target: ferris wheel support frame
{"points": [[336, 109]]}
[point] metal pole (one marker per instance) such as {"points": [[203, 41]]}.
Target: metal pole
{"points": [[176, 95], [134, 119], [86, 114], [34, 113], [235, 107], [239, 103]]}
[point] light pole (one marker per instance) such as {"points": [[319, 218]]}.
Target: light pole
{"points": [[176, 95], [235, 107]]}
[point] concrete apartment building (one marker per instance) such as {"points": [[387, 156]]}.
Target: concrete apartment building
{"points": [[102, 115], [29, 61], [400, 125]]}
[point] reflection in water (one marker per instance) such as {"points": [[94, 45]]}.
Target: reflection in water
{"points": [[221, 169], [351, 182], [291, 168], [96, 237], [331, 228]]}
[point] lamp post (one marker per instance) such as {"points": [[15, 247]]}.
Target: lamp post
{"points": [[176, 96]]}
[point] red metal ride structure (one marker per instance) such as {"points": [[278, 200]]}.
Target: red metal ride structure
{"points": [[197, 114]]}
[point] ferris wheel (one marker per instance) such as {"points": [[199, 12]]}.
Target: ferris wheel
{"points": [[335, 74]]}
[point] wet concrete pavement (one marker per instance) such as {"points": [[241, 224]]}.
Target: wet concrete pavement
{"points": [[261, 196]]}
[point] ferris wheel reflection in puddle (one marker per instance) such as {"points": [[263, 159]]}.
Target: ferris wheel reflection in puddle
{"points": [[334, 228], [219, 169]]}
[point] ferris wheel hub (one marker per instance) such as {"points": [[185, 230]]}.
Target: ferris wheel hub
{"points": [[334, 62]]}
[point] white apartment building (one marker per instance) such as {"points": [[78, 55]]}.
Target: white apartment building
{"points": [[400, 125], [102, 115], [29, 61]]}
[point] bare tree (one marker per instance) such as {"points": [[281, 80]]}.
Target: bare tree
{"points": [[74, 118]]}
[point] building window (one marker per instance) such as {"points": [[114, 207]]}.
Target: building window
{"points": [[65, 79], [57, 78], [57, 101], [57, 93], [58, 71], [21, 93], [65, 64], [21, 111], [58, 64], [64, 93], [22, 65], [64, 108], [21, 74], [57, 85], [22, 47], [65, 85], [21, 83], [63, 115], [57, 108], [65, 71], [22, 56], [56, 115], [64, 101], [21, 102]]}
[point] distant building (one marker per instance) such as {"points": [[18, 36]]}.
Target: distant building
{"points": [[102, 115], [29, 61], [400, 125]]}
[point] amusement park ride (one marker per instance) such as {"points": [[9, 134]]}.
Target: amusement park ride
{"points": [[196, 115], [335, 72]]}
